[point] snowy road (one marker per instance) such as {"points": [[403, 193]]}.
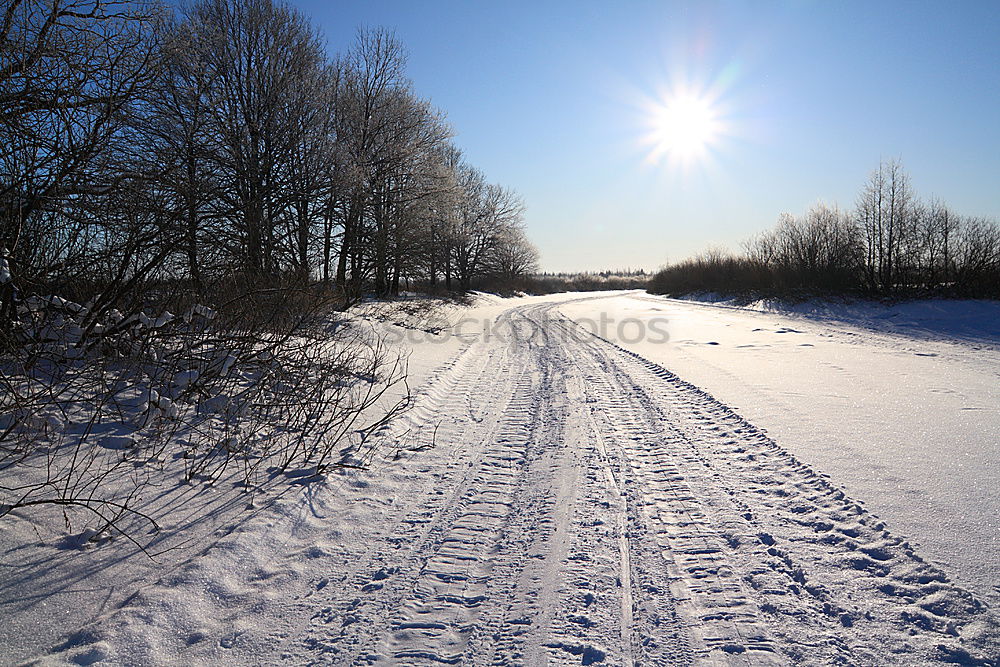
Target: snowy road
{"points": [[602, 510], [555, 499]]}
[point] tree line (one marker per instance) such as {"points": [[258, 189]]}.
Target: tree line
{"points": [[891, 243], [221, 145], [185, 197], [618, 279]]}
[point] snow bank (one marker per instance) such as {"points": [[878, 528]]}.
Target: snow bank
{"points": [[972, 320]]}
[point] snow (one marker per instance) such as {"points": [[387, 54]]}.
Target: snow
{"points": [[553, 498], [182, 379], [900, 404], [5, 275], [975, 321]]}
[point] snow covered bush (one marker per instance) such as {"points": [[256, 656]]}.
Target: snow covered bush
{"points": [[97, 409]]}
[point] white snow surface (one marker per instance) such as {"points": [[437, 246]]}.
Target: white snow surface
{"points": [[899, 404], [762, 487]]}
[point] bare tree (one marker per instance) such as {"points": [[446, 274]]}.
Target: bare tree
{"points": [[178, 127], [70, 71], [485, 213], [264, 61], [886, 212], [515, 256], [373, 75], [892, 244]]}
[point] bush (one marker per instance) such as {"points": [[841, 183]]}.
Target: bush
{"points": [[95, 406]]}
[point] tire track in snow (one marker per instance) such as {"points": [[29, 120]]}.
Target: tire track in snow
{"points": [[455, 594], [348, 629], [644, 629], [606, 512], [720, 617], [551, 612], [463, 583], [558, 611], [624, 547], [830, 582], [582, 505]]}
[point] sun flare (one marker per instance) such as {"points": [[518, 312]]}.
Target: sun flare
{"points": [[683, 128]]}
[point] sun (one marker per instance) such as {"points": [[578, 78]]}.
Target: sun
{"points": [[682, 128]]}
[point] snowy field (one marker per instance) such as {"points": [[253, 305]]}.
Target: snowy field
{"points": [[697, 484], [900, 405]]}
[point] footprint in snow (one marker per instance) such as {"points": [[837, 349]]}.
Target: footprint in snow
{"points": [[380, 575], [589, 654], [117, 442]]}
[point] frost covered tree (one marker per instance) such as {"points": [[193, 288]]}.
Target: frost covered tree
{"points": [[515, 257], [485, 214], [266, 71], [221, 145]]}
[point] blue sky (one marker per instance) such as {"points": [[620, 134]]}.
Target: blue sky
{"points": [[552, 99]]}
